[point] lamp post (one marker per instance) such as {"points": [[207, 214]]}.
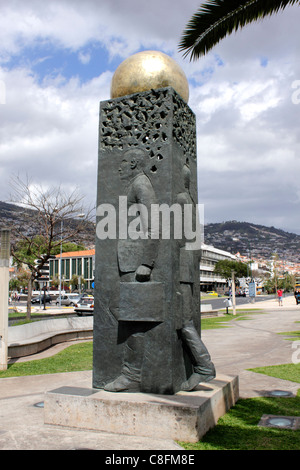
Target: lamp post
{"points": [[81, 216], [4, 294], [233, 292]]}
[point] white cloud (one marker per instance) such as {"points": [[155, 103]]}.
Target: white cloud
{"points": [[84, 57], [51, 131], [241, 93], [122, 27], [248, 142]]}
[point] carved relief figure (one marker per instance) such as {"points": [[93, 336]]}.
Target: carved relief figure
{"points": [[136, 260], [203, 368]]}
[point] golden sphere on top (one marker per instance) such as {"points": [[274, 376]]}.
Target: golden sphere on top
{"points": [[148, 70]]}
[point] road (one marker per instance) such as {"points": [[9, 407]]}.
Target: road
{"points": [[219, 302], [215, 302], [23, 304]]}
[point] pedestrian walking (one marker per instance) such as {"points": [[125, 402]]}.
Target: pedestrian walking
{"points": [[279, 295]]}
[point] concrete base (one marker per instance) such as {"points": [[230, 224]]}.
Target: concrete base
{"points": [[186, 416]]}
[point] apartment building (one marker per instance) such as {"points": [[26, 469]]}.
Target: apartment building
{"points": [[209, 281]]}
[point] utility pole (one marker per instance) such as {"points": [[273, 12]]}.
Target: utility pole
{"points": [[233, 292], [4, 295]]}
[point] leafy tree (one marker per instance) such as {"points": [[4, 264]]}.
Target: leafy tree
{"points": [[215, 19], [66, 247], [47, 220], [20, 281], [225, 267], [273, 284], [55, 281], [14, 284], [77, 283], [25, 253]]}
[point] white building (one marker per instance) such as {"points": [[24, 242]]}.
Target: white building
{"points": [[208, 279], [82, 264], [74, 263]]}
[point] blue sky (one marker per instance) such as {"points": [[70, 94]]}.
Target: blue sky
{"points": [[49, 61], [46, 60], [57, 59]]}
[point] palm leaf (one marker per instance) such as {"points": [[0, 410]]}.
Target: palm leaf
{"points": [[217, 18]]}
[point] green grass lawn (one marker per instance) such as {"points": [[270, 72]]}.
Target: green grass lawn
{"points": [[238, 429], [284, 371], [212, 322], [19, 318], [74, 358], [292, 335]]}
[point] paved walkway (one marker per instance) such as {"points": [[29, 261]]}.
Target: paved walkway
{"points": [[246, 344], [255, 342]]}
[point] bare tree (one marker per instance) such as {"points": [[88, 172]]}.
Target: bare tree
{"points": [[47, 219]]}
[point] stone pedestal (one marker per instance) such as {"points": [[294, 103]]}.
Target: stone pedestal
{"points": [[161, 125], [186, 416]]}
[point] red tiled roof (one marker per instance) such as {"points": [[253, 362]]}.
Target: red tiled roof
{"points": [[77, 254]]}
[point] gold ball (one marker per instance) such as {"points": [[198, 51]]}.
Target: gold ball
{"points": [[148, 70]]}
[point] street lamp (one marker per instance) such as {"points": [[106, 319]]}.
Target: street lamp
{"points": [[81, 216], [233, 292]]}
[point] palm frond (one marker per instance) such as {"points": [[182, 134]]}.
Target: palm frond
{"points": [[215, 19]]}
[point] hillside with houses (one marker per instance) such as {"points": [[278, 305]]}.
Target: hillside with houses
{"points": [[254, 240]]}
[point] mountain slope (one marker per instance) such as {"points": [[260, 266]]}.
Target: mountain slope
{"points": [[232, 236], [258, 240], [11, 216]]}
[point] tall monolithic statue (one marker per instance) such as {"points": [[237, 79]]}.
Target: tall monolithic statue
{"points": [[147, 312]]}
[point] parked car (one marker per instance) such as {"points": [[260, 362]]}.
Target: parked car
{"points": [[68, 299], [241, 293], [212, 292], [40, 299], [85, 305]]}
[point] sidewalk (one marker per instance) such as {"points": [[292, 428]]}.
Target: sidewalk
{"points": [[255, 342], [246, 344], [288, 303]]}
